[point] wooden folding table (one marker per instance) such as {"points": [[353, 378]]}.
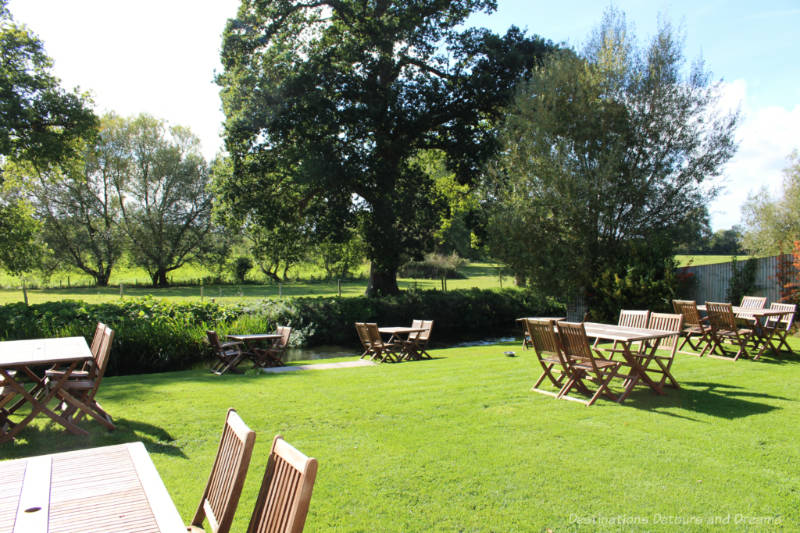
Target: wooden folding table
{"points": [[112, 488], [762, 336], [23, 356], [625, 336], [396, 335]]}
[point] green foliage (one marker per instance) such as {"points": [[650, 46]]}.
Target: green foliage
{"points": [[241, 267], [20, 248], [156, 336], [164, 195], [327, 106], [39, 119], [743, 279], [604, 166], [434, 266], [773, 224]]}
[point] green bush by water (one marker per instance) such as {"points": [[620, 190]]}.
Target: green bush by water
{"points": [[156, 335]]}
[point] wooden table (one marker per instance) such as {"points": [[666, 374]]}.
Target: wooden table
{"points": [[625, 336], [395, 335], [253, 351], [763, 336], [112, 488], [22, 355]]}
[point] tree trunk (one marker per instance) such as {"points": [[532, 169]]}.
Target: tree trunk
{"points": [[160, 278], [382, 282]]}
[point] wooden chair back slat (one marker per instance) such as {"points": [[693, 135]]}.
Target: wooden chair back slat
{"points": [[224, 487], [285, 493], [784, 320], [687, 308], [753, 302], [101, 362], [720, 316], [667, 322], [363, 336], [284, 332], [543, 336], [574, 341], [425, 335], [633, 319], [414, 335], [373, 334]]}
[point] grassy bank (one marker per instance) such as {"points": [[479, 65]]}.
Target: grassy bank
{"points": [[459, 443]]}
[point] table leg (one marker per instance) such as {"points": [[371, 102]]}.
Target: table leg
{"points": [[39, 405], [637, 370]]}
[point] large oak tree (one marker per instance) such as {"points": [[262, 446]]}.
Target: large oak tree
{"points": [[327, 103]]}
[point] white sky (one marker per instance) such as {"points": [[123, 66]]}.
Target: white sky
{"points": [[159, 57]]}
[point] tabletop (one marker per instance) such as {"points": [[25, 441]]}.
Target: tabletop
{"points": [[763, 312], [624, 333], [399, 330], [112, 488], [255, 337], [43, 351]]}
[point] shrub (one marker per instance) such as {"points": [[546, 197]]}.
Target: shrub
{"points": [[156, 336]]}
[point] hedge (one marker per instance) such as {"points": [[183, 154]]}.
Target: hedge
{"points": [[155, 336]]}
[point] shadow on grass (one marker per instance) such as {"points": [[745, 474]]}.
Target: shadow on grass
{"points": [[52, 438], [711, 399]]}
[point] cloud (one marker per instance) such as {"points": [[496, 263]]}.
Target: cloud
{"points": [[766, 138]]}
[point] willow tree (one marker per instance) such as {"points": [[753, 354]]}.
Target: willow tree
{"points": [[327, 103], [608, 160]]}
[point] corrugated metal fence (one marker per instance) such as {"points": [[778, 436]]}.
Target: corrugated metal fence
{"points": [[712, 281]]}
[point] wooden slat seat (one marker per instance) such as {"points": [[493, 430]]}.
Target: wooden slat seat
{"points": [[663, 322], [377, 348], [285, 493], [694, 327], [78, 392], [779, 327], [724, 328], [228, 355], [555, 367], [417, 341], [630, 319], [221, 495], [586, 363]]}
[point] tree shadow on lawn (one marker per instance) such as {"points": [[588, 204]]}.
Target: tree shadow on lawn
{"points": [[52, 438], [712, 399]]}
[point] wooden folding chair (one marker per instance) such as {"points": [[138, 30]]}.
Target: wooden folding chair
{"points": [[77, 393], [723, 327], [693, 327], [228, 354], [272, 356], [6, 395], [779, 327], [555, 366], [363, 336], [378, 348], [664, 322], [285, 494], [586, 363], [417, 341], [630, 319], [221, 495], [750, 302]]}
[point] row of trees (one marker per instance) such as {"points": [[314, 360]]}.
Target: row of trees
{"points": [[385, 129]]}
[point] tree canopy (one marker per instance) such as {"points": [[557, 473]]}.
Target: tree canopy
{"points": [[328, 102], [773, 224], [40, 124], [605, 162]]}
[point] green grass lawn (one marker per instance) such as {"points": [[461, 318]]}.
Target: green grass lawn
{"points": [[480, 275], [459, 443]]}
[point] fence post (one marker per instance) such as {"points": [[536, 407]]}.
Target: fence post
{"points": [[24, 293], [339, 287], [280, 289]]}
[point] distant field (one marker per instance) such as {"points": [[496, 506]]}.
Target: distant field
{"points": [[697, 260], [479, 275]]}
